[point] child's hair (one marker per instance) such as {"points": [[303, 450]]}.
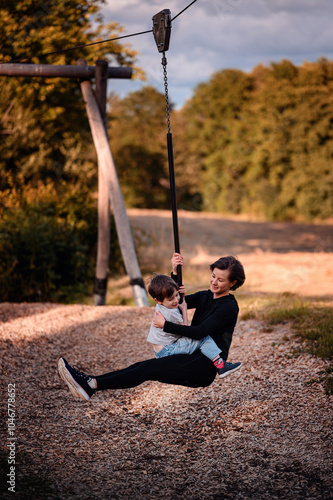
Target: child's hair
{"points": [[162, 287], [235, 268]]}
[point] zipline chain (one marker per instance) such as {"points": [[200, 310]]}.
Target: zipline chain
{"points": [[167, 107]]}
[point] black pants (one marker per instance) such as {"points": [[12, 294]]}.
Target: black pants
{"points": [[193, 370]]}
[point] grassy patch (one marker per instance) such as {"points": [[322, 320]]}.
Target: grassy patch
{"points": [[311, 321]]}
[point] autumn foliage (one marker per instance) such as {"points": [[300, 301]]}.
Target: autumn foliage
{"points": [[259, 143]]}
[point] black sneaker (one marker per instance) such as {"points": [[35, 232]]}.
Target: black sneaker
{"points": [[78, 382], [228, 368]]}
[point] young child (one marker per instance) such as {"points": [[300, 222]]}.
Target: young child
{"points": [[164, 291]]}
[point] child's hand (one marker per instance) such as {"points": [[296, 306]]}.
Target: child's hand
{"points": [[158, 320], [183, 306], [183, 310], [182, 291]]}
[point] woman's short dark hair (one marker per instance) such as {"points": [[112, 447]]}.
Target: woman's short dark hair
{"points": [[162, 287], [235, 268]]}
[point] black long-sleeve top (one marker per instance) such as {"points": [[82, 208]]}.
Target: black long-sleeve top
{"points": [[214, 317]]}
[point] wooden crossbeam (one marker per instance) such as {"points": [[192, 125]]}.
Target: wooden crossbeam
{"points": [[61, 71]]}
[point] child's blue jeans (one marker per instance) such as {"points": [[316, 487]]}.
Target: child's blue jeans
{"points": [[184, 345]]}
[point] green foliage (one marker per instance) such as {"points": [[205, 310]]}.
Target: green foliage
{"points": [[138, 139], [43, 125], [138, 136], [47, 158], [263, 141], [47, 243], [315, 324]]}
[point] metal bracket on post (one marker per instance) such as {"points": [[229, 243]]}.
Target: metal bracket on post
{"points": [[162, 29]]}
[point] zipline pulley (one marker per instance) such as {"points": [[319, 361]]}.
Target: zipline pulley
{"points": [[162, 33], [162, 29]]}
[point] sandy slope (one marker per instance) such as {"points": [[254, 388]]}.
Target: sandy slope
{"points": [[278, 257]]}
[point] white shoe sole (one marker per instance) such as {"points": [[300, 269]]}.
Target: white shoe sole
{"points": [[73, 386], [229, 371]]}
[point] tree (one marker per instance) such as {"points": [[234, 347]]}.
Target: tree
{"points": [[218, 123], [138, 139], [291, 174], [46, 147], [138, 134], [44, 129], [264, 141]]}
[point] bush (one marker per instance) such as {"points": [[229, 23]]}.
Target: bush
{"points": [[48, 243]]}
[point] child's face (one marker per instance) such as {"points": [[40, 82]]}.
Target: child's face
{"points": [[171, 302]]}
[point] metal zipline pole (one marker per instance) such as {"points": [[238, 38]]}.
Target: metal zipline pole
{"points": [[172, 175], [173, 193]]}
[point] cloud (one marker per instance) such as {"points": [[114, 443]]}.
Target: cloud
{"points": [[215, 34]]}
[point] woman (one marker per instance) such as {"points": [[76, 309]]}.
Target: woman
{"points": [[216, 312]]}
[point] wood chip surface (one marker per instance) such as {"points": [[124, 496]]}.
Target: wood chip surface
{"points": [[262, 433]]}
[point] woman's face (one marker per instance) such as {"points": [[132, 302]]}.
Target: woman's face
{"points": [[219, 282]]}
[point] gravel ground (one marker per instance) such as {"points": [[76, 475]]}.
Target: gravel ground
{"points": [[262, 433]]}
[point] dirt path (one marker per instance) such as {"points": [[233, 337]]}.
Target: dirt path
{"points": [[278, 257], [263, 433]]}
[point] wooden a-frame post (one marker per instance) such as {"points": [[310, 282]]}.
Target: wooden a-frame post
{"points": [[109, 188], [107, 166], [103, 207]]}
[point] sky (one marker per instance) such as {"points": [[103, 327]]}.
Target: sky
{"points": [[212, 35]]}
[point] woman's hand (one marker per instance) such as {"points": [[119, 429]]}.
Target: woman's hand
{"points": [[177, 260], [158, 320]]}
